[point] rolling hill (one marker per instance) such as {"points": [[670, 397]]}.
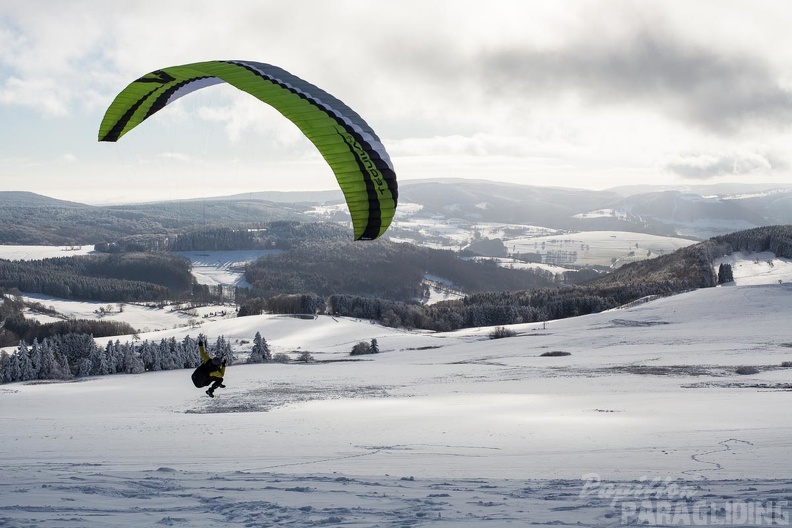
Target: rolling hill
{"points": [[699, 212]]}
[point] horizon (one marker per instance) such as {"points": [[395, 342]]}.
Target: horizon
{"points": [[694, 187]]}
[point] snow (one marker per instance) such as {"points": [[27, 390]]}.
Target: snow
{"points": [[598, 248], [440, 289], [518, 264], [42, 252], [757, 268], [645, 422], [603, 213], [223, 267], [454, 233]]}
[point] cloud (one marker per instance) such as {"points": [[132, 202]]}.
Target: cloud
{"points": [[700, 86], [180, 157], [40, 94], [704, 166]]}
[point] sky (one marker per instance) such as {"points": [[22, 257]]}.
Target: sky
{"points": [[567, 93]]}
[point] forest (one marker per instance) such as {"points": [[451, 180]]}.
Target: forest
{"points": [[685, 269], [30, 219], [383, 269], [77, 355], [122, 277]]}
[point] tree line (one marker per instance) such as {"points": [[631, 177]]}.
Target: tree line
{"points": [[381, 268], [125, 277], [63, 357], [688, 268], [776, 239], [491, 308], [18, 327], [52, 223]]}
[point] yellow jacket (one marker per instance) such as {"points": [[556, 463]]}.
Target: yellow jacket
{"points": [[219, 371]]}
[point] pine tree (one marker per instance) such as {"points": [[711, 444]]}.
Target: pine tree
{"points": [[192, 357], [222, 348], [167, 355], [114, 357], [98, 362], [10, 368], [25, 365], [84, 368], [265, 350], [63, 364], [260, 352], [374, 346], [48, 367], [150, 356], [725, 273], [133, 364], [35, 358]]}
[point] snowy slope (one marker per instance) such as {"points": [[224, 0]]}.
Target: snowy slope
{"points": [[442, 429], [757, 268], [446, 429]]}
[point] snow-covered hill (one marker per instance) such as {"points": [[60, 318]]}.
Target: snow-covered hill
{"points": [[685, 393], [757, 268]]}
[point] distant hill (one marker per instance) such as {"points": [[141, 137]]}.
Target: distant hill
{"points": [[484, 201], [690, 214], [32, 219], [692, 267], [288, 196], [15, 199], [697, 212], [700, 213]]}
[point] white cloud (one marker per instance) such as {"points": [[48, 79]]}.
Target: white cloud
{"points": [[39, 94], [710, 165]]}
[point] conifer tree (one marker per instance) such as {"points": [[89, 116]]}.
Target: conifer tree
{"points": [[11, 368], [25, 365], [192, 357], [63, 364], [260, 352], [84, 367], [133, 364], [49, 368], [222, 348], [35, 358], [150, 356]]}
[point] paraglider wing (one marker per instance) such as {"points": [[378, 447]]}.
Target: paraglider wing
{"points": [[351, 148]]}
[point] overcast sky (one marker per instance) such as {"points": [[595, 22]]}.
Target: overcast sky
{"points": [[555, 93]]}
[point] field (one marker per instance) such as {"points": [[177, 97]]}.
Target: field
{"points": [[597, 248]]}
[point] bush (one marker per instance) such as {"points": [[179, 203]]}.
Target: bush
{"points": [[555, 353], [305, 357], [501, 332], [280, 357], [746, 371], [361, 348], [786, 364]]}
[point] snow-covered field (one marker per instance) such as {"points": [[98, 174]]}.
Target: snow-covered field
{"points": [[646, 421], [600, 248], [758, 268], [42, 252], [471, 431], [222, 267]]}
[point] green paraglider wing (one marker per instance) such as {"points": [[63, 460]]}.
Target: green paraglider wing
{"points": [[351, 148]]}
